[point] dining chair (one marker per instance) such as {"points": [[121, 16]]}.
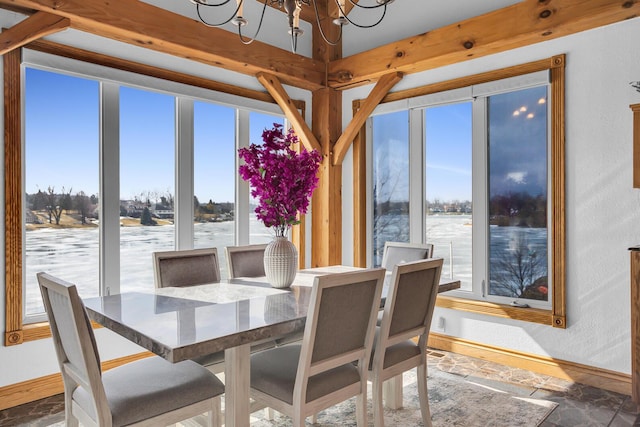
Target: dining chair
{"points": [[190, 268], [245, 261], [147, 392], [407, 314], [398, 252], [330, 365], [186, 267]]}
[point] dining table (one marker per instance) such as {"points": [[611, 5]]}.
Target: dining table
{"points": [[182, 323]]}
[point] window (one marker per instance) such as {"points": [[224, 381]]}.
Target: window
{"points": [[112, 173], [147, 159], [448, 187], [61, 182], [518, 179], [214, 167], [476, 170], [390, 181], [258, 122]]}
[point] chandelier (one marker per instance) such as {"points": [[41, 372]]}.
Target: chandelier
{"points": [[293, 9]]}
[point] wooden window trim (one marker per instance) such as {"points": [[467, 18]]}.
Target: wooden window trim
{"points": [[15, 331], [556, 316]]}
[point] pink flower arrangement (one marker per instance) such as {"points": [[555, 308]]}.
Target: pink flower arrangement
{"points": [[280, 178]]}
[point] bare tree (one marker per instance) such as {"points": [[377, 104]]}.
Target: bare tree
{"points": [[56, 203], [82, 204], [388, 225], [517, 269]]}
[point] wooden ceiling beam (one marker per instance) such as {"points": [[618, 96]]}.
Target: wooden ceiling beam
{"points": [[279, 94], [522, 24], [141, 24], [34, 27], [83, 55], [380, 90]]}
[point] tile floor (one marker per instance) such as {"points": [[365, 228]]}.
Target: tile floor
{"points": [[579, 405]]}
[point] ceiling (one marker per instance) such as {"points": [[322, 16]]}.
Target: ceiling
{"points": [[416, 35], [404, 18]]}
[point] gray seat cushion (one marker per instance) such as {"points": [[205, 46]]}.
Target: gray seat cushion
{"points": [[396, 353], [150, 387], [273, 372]]}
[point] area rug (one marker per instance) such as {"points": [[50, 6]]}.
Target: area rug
{"points": [[454, 401]]}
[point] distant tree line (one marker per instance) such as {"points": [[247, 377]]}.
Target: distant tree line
{"points": [[518, 209], [55, 203], [212, 210]]}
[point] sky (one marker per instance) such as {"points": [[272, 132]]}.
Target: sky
{"points": [[517, 148], [448, 153], [62, 139]]}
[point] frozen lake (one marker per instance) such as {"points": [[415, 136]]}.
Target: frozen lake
{"points": [[73, 254]]}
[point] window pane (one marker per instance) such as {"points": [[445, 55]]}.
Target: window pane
{"points": [[258, 122], [390, 181], [61, 182], [214, 178], [448, 188], [518, 194], [147, 159]]}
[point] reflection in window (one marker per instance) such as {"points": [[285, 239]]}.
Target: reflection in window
{"points": [[518, 194], [214, 178], [147, 175], [61, 182], [390, 181], [448, 188]]}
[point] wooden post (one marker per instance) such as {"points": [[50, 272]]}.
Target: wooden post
{"points": [[635, 324], [326, 225]]}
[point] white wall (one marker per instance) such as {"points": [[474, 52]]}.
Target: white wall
{"points": [[602, 208]]}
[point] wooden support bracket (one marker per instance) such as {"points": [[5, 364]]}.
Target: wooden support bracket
{"points": [[381, 89], [36, 26], [279, 94]]}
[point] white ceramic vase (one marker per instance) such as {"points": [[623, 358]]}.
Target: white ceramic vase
{"points": [[280, 262]]}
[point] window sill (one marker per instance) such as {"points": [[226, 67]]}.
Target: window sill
{"points": [[534, 315], [35, 331]]}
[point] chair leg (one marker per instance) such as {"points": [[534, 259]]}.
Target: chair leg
{"points": [[378, 409], [70, 419], [361, 409], [298, 418], [268, 413], [424, 395], [215, 415]]}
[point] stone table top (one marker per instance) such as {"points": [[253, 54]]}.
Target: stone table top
{"points": [[184, 323]]}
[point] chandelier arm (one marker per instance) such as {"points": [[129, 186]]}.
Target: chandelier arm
{"points": [[366, 7], [208, 24], [246, 41], [384, 12], [205, 3], [324, 37]]}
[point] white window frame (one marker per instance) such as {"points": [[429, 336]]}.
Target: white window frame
{"points": [[110, 81], [477, 94]]}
